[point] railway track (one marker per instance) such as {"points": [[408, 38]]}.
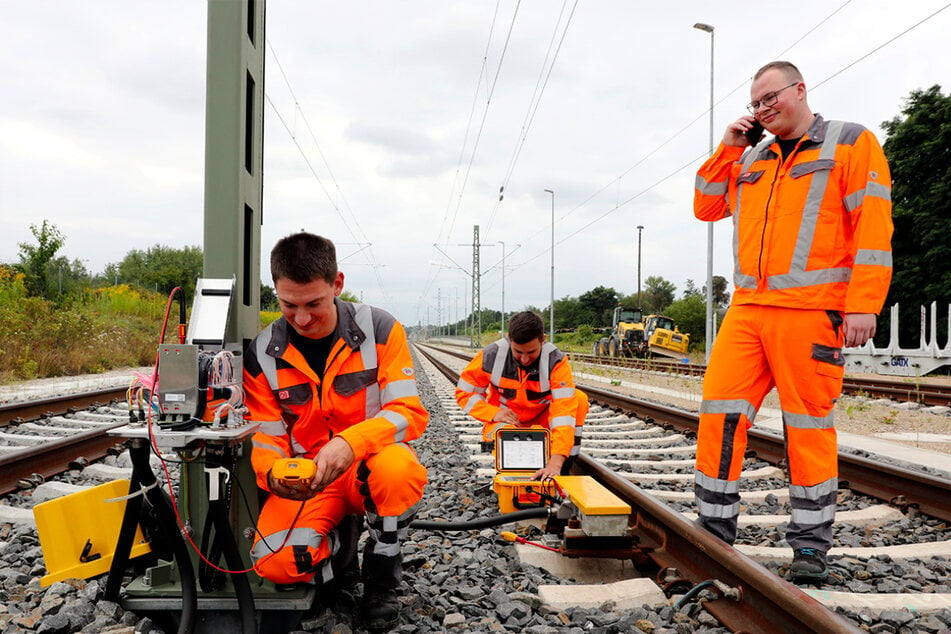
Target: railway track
{"points": [[654, 474], [41, 439], [654, 477]]}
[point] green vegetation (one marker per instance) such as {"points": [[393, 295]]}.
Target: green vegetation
{"points": [[582, 320], [87, 332], [920, 164]]}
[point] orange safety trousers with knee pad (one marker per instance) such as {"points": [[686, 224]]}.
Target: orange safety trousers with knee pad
{"points": [[798, 351], [296, 539]]}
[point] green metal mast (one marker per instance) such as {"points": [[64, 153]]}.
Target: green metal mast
{"points": [[234, 142]]}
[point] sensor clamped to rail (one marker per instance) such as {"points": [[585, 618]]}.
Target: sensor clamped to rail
{"points": [[583, 507]]}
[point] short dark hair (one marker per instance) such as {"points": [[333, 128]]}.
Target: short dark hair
{"points": [[304, 257], [788, 69], [525, 326]]}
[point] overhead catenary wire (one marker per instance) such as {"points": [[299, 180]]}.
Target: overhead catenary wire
{"points": [[357, 234], [658, 182], [534, 103]]}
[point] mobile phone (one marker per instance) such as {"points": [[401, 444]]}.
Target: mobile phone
{"points": [[754, 134]]}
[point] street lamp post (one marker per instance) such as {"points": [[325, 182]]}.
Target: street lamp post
{"points": [[639, 229], [551, 315], [709, 325]]}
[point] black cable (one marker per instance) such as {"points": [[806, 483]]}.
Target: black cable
{"points": [[130, 522], [139, 453], [482, 522]]}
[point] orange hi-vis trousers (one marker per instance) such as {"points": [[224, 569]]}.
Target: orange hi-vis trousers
{"points": [[299, 537], [800, 353]]}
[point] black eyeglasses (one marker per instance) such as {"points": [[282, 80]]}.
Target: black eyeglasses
{"points": [[769, 99]]}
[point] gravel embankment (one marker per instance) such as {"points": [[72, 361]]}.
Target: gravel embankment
{"points": [[462, 581]]}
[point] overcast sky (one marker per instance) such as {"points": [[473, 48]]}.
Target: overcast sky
{"points": [[410, 116]]}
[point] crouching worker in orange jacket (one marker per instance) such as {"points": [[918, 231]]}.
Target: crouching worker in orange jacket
{"points": [[811, 211], [523, 381], [333, 382]]}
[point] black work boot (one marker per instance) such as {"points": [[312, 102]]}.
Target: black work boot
{"points": [[345, 564], [808, 565], [379, 608]]}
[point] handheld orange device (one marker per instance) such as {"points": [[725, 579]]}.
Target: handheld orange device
{"points": [[294, 473]]}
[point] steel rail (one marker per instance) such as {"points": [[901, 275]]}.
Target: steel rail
{"points": [[29, 410], [54, 457], [764, 601]]}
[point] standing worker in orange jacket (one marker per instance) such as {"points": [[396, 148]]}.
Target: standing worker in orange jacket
{"points": [[522, 381], [811, 209], [333, 381]]}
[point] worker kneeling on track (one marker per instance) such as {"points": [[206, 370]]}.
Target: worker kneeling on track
{"points": [[523, 381], [332, 382]]}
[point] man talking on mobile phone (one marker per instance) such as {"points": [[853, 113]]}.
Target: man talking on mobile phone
{"points": [[811, 208]]}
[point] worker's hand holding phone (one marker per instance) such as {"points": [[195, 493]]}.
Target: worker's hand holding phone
{"points": [[755, 133]]}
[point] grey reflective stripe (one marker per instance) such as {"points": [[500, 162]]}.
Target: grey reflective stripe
{"points": [[295, 537], [473, 400], [878, 190], [716, 188], [805, 517], [855, 199], [734, 406], [544, 369], [465, 386], [797, 275], [718, 511], [740, 279], [821, 493], [809, 278], [399, 389], [805, 421], [373, 401], [363, 317], [562, 421], [563, 392], [815, 492], [378, 526], [873, 257], [273, 428], [716, 485], [296, 447], [266, 361], [269, 447], [501, 354], [398, 421]]}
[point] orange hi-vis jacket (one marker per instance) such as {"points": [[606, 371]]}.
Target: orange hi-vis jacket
{"points": [[813, 231], [367, 396], [494, 379]]}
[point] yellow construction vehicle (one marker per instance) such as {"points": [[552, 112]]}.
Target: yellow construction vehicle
{"points": [[633, 335], [627, 334], [664, 338]]}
